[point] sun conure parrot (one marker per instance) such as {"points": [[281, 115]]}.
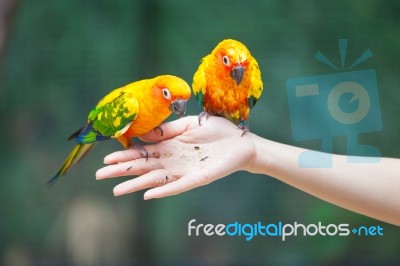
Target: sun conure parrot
{"points": [[126, 112], [228, 83]]}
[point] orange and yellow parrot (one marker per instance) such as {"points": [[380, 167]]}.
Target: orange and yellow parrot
{"points": [[228, 83], [127, 112]]}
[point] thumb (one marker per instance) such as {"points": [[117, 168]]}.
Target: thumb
{"points": [[170, 129]]}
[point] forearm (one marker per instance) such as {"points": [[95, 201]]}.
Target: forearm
{"points": [[372, 189]]}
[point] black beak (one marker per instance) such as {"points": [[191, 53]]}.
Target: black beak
{"points": [[237, 74], [178, 107]]}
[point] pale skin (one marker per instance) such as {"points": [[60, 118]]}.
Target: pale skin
{"points": [[187, 156]]}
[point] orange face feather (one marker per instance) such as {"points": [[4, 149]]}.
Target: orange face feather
{"points": [[154, 108]]}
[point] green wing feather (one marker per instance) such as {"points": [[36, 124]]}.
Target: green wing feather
{"points": [[200, 83], [199, 98], [252, 101], [111, 117], [256, 87]]}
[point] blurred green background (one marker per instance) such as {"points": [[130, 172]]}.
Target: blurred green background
{"points": [[58, 58]]}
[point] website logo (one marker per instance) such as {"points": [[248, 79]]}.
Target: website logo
{"points": [[335, 104], [280, 230]]}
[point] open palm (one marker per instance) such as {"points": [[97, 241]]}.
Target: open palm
{"points": [[186, 156]]}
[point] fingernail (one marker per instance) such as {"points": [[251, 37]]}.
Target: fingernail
{"points": [[105, 160], [98, 174], [146, 196], [116, 191]]}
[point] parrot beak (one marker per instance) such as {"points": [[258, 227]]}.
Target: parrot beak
{"points": [[178, 107], [237, 74]]}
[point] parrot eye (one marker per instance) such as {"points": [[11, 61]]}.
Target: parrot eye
{"points": [[166, 93], [225, 60]]}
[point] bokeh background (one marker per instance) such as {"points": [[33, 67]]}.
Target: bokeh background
{"points": [[58, 58]]}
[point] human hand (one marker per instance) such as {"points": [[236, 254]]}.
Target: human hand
{"points": [[187, 156]]}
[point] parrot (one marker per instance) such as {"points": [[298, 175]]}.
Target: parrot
{"points": [[130, 111], [228, 83]]}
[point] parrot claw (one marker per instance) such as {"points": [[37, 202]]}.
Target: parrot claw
{"points": [[243, 126], [142, 150], [158, 128], [202, 115]]}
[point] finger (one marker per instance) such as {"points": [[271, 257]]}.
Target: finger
{"points": [[129, 154], [179, 186], [170, 129], [150, 179], [135, 167]]}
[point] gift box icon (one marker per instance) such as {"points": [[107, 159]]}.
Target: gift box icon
{"points": [[337, 104]]}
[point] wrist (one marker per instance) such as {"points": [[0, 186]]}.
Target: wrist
{"points": [[260, 155]]}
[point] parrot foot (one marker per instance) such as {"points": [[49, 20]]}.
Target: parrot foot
{"points": [[243, 126], [202, 115], [158, 128], [142, 150]]}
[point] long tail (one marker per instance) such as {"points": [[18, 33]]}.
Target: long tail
{"points": [[79, 151]]}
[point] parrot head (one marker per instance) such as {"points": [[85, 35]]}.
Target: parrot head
{"points": [[173, 93], [231, 58]]}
